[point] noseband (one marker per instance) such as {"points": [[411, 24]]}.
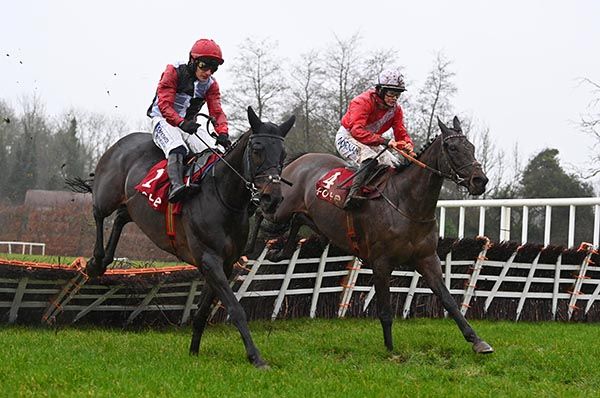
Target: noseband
{"points": [[260, 172]]}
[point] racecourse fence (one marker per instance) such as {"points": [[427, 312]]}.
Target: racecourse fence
{"points": [[523, 213], [489, 281], [26, 247]]}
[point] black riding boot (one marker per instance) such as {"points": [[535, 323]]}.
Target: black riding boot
{"points": [[175, 172], [364, 170]]}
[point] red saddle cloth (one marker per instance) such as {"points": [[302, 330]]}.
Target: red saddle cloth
{"points": [[328, 187], [155, 186]]}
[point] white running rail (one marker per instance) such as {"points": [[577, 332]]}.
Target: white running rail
{"points": [[14, 246], [506, 205]]}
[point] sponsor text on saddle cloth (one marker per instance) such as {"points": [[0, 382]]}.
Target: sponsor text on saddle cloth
{"points": [[328, 189], [155, 186]]}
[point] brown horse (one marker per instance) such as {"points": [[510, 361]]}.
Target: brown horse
{"points": [[212, 229], [397, 229]]}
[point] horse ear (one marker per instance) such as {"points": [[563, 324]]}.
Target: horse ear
{"points": [[442, 125], [255, 122], [287, 125], [456, 124]]}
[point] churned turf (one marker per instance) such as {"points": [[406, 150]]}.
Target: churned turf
{"points": [[308, 358]]}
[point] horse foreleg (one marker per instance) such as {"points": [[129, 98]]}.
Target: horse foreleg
{"points": [[201, 318], [211, 267], [431, 269], [258, 218], [94, 264], [381, 277], [298, 220], [121, 219]]}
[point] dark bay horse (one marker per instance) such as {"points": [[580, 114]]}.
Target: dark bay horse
{"points": [[212, 229], [397, 229]]}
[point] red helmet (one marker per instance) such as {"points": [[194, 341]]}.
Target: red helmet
{"points": [[207, 48]]}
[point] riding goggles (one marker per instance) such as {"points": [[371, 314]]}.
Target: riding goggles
{"points": [[208, 64], [392, 93]]}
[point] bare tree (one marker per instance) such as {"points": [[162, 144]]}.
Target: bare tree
{"points": [[307, 90], [434, 98], [96, 131], [259, 82], [346, 78], [590, 124]]}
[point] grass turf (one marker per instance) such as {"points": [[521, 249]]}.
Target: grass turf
{"points": [[308, 358]]}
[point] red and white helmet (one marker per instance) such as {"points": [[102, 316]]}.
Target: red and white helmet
{"points": [[391, 79], [207, 48]]}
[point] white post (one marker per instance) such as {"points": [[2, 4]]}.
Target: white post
{"points": [[286, 282], [571, 241], [442, 222], [547, 226], [481, 221], [596, 225], [461, 223], [504, 223], [318, 281], [525, 225]]}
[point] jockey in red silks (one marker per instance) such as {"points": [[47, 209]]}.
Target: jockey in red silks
{"points": [[182, 90], [369, 115]]}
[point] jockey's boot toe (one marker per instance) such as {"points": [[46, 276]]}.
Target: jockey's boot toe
{"points": [[177, 193]]}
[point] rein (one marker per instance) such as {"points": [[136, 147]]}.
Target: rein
{"points": [[255, 193], [452, 177]]}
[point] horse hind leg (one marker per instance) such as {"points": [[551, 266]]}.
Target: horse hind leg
{"points": [[121, 219], [431, 270], [94, 264], [201, 317]]}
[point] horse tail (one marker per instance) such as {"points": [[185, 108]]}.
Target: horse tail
{"points": [[80, 185]]}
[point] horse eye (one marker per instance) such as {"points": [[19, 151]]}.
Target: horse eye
{"points": [[451, 147]]}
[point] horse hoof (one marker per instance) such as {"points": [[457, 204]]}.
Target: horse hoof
{"points": [[258, 362], [481, 347], [261, 364], [91, 269]]}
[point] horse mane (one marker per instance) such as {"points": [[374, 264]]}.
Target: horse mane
{"points": [[426, 145]]}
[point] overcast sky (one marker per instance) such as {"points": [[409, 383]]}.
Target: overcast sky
{"points": [[517, 63]]}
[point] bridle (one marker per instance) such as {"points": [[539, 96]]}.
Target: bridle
{"points": [[454, 170], [251, 173], [453, 175]]}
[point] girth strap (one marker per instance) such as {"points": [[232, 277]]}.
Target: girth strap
{"points": [[170, 225], [353, 237]]}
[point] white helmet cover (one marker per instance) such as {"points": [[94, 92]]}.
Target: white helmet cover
{"points": [[391, 79]]}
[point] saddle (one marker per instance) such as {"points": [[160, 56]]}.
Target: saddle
{"points": [[155, 185], [334, 186]]}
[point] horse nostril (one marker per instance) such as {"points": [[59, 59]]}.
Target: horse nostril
{"points": [[480, 180]]}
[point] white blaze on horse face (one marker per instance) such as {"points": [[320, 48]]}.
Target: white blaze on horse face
{"points": [[329, 182]]}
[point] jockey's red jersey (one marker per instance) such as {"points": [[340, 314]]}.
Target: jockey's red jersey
{"points": [[180, 96], [368, 118]]}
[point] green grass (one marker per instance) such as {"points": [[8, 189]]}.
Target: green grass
{"points": [[308, 358], [65, 260]]}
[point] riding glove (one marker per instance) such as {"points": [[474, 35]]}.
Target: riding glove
{"points": [[189, 126], [223, 140]]}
